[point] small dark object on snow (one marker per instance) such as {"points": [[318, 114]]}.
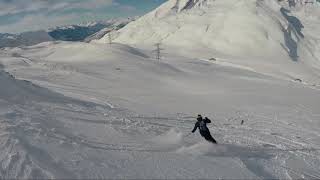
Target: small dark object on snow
{"points": [[212, 59], [298, 80], [203, 129], [242, 121]]}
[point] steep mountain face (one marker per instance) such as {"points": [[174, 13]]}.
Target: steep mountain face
{"points": [[226, 26], [254, 33]]}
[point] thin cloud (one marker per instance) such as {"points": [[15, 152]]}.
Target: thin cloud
{"points": [[25, 15], [12, 7], [42, 14], [36, 22]]}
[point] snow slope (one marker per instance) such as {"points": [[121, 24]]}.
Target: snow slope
{"points": [[29, 116], [95, 110], [256, 34], [134, 116]]}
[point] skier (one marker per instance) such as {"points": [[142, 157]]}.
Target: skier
{"points": [[204, 131]]}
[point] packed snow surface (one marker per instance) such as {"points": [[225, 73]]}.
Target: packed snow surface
{"points": [[96, 110]]}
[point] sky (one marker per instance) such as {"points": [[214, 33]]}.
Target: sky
{"points": [[28, 15]]}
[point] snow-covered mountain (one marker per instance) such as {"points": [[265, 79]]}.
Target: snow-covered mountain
{"points": [[76, 32], [89, 30], [77, 110], [81, 32], [258, 34], [114, 26], [24, 39]]}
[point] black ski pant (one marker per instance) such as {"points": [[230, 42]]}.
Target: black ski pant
{"points": [[208, 137]]}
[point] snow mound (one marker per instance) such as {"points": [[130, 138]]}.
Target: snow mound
{"points": [[224, 150], [80, 52], [21, 91]]}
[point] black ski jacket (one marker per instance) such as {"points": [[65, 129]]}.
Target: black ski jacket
{"points": [[202, 125]]}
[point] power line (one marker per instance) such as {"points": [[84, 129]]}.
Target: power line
{"points": [[158, 51]]}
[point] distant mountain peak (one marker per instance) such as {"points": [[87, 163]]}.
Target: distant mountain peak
{"points": [[177, 6], [79, 32], [181, 5]]}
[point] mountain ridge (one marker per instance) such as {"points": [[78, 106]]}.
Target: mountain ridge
{"points": [[253, 33], [79, 32]]}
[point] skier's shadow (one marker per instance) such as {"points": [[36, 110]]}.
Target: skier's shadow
{"points": [[293, 21], [291, 46], [294, 29]]}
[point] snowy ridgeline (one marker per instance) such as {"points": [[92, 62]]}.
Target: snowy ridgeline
{"points": [[101, 110]]}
